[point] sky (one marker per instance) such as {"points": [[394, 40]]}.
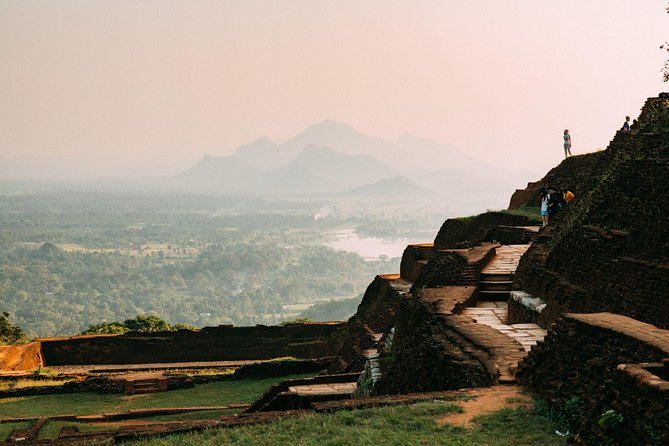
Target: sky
{"points": [[154, 85]]}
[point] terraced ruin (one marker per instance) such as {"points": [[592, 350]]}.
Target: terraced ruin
{"points": [[576, 312]]}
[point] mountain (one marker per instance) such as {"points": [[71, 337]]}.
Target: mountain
{"points": [[262, 154], [409, 154], [324, 170], [219, 174], [391, 187], [330, 157]]}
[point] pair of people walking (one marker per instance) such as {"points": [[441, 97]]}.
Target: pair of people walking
{"points": [[553, 201]]}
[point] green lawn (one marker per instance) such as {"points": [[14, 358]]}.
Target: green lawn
{"points": [[6, 428], [218, 393], [399, 425]]}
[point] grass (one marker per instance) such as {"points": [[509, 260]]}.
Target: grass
{"points": [[26, 383], [6, 428], [218, 393], [398, 425], [52, 428], [529, 212]]}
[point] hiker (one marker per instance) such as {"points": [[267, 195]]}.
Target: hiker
{"points": [[626, 124], [567, 196], [567, 143], [554, 202], [544, 206]]}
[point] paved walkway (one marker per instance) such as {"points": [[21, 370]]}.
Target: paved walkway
{"points": [[506, 259]]}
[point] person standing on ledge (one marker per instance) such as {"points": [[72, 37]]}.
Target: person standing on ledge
{"points": [[626, 124], [567, 143]]}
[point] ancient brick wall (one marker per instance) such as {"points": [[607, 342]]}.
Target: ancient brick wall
{"points": [[445, 268], [209, 344], [468, 232], [427, 355], [576, 370]]}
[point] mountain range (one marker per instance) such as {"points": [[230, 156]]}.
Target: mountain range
{"points": [[330, 157], [326, 158]]}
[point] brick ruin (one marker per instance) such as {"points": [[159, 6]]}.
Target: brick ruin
{"points": [[596, 279], [577, 312], [223, 343]]}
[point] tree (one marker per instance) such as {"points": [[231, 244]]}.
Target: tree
{"points": [[9, 333], [139, 323], [665, 70]]}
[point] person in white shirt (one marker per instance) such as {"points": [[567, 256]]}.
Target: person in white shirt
{"points": [[567, 143]]}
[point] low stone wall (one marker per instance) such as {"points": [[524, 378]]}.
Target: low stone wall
{"points": [[469, 232], [510, 235], [577, 371], [222, 343], [280, 368]]}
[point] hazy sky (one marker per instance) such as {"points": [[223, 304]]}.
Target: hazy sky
{"points": [[139, 81]]}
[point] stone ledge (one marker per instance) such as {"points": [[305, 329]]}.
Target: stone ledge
{"points": [[633, 328]]}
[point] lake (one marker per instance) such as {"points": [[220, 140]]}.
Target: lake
{"points": [[369, 248]]}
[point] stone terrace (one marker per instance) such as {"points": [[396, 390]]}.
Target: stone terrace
{"points": [[448, 334]]}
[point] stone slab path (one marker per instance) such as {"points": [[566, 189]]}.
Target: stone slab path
{"points": [[506, 259]]}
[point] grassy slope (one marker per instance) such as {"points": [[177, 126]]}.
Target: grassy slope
{"points": [[399, 425]]}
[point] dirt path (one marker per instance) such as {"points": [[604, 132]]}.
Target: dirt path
{"points": [[487, 400]]}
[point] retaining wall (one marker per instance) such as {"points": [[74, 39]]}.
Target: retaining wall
{"points": [[577, 370]]}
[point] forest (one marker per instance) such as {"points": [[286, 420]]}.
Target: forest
{"points": [[69, 260]]}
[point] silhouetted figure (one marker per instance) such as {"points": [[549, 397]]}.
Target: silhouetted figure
{"points": [[567, 143], [555, 202], [626, 124]]}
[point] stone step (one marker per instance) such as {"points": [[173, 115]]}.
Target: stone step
{"points": [[497, 277], [504, 285], [495, 296]]}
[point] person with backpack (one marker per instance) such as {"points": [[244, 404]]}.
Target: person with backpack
{"points": [[554, 202]]}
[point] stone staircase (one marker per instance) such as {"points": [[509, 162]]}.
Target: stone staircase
{"points": [[495, 286], [495, 283]]}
